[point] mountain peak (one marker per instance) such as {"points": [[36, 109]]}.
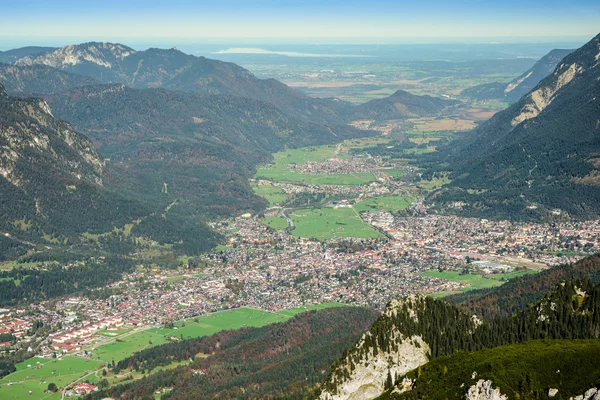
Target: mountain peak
{"points": [[102, 54]]}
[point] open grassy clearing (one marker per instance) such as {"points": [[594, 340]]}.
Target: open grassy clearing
{"points": [[59, 371], [433, 184], [295, 311], [124, 347], [278, 170], [213, 323], [419, 150], [126, 375], [281, 173], [274, 195], [385, 203], [326, 223], [442, 124], [17, 264]]}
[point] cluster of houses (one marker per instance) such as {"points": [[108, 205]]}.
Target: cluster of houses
{"points": [[72, 340]]}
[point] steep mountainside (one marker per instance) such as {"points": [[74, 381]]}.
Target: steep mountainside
{"points": [[11, 56], [285, 360], [172, 69], [39, 80], [538, 155], [51, 178], [203, 148], [400, 105], [414, 330], [520, 86]]}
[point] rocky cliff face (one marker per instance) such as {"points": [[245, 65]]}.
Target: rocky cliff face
{"points": [[367, 379], [484, 390], [376, 360], [102, 54], [591, 394], [515, 89], [28, 129]]}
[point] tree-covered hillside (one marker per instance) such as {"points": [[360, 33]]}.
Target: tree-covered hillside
{"points": [[436, 328], [516, 294], [283, 360], [51, 180], [400, 105], [523, 371]]}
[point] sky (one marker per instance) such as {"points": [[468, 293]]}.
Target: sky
{"points": [[296, 21]]}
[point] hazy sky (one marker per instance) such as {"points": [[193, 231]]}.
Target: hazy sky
{"points": [[309, 21]]}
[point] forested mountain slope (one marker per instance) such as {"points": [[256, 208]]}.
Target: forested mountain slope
{"points": [[283, 360], [39, 80], [414, 330], [172, 69], [11, 56], [51, 179], [531, 370], [204, 147], [539, 155], [400, 105]]}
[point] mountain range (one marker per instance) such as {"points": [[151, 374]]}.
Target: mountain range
{"points": [[539, 157], [178, 132], [520, 86], [175, 70]]}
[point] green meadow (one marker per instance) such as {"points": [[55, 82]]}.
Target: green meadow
{"points": [[295, 311], [384, 203], [326, 223], [275, 222], [42, 371], [278, 170], [216, 322], [274, 195]]}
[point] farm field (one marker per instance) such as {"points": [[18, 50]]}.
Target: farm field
{"points": [[213, 323], [295, 311], [326, 223], [275, 222], [126, 346], [385, 203], [66, 370], [281, 173]]}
